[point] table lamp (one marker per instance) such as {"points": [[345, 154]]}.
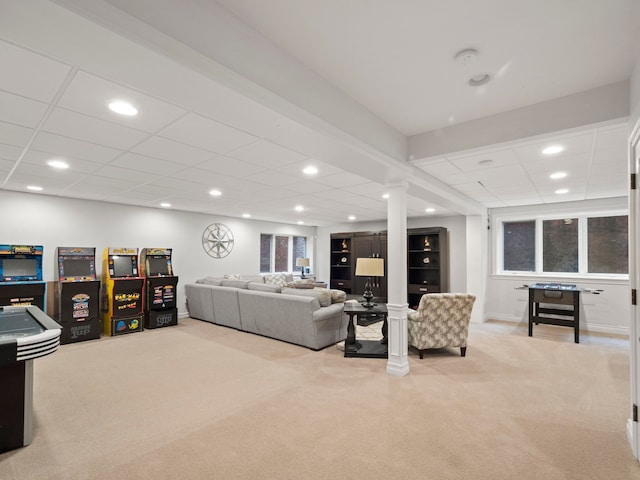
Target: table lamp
{"points": [[302, 262], [369, 267]]}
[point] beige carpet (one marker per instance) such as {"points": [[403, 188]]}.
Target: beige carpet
{"points": [[198, 401]]}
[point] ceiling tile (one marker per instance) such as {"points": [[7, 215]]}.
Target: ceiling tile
{"points": [[9, 152], [440, 168], [171, 151], [231, 166], [272, 178], [66, 147], [91, 95], [92, 130], [343, 180], [20, 110], [15, 135], [267, 154], [46, 76], [484, 160], [574, 144], [207, 134], [144, 164]]}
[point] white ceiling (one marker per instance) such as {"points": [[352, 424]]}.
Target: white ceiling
{"points": [[229, 125]]}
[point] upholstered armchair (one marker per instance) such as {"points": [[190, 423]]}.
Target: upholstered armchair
{"points": [[442, 320]]}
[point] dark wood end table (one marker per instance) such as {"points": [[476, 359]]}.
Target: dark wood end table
{"points": [[365, 348]]}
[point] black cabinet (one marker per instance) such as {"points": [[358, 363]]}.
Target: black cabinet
{"points": [[427, 263]]}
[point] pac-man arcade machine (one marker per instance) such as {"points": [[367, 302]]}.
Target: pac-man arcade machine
{"points": [[21, 276], [78, 295], [123, 291], [161, 285]]}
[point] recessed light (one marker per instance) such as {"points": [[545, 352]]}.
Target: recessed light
{"points": [[553, 149], [299, 208], [123, 108], [58, 164], [165, 205], [246, 215], [430, 210], [310, 170], [465, 57], [352, 217], [557, 175], [300, 222], [385, 195], [215, 192], [479, 80], [562, 191], [34, 188]]}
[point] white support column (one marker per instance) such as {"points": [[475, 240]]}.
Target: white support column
{"points": [[397, 342]]}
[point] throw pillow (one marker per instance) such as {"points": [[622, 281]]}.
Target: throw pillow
{"points": [[233, 276], [279, 279], [210, 281], [337, 296], [324, 298], [300, 284]]}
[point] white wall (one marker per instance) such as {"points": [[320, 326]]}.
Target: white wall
{"points": [[456, 226], [634, 88], [33, 219], [607, 312]]}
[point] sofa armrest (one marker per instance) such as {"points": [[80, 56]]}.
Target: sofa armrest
{"points": [[328, 311]]}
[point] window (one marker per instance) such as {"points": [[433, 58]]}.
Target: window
{"points": [[278, 253], [560, 245], [575, 245], [519, 245], [608, 253]]}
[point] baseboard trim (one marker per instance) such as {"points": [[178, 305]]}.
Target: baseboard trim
{"points": [[584, 326]]}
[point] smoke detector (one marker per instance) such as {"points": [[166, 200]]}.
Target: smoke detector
{"points": [[465, 57]]}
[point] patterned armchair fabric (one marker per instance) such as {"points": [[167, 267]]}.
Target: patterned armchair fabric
{"points": [[442, 320]]}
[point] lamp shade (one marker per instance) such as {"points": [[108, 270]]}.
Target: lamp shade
{"points": [[302, 262], [370, 267]]}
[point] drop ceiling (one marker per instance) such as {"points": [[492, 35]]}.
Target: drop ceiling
{"points": [[358, 80]]}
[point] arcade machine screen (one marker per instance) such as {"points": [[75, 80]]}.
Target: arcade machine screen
{"points": [[158, 266], [77, 267], [19, 269], [123, 266]]}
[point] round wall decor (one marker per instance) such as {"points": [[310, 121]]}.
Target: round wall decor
{"points": [[217, 240]]}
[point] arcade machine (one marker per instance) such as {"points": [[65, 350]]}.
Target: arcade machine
{"points": [[21, 276], [78, 294], [122, 290], [160, 299]]}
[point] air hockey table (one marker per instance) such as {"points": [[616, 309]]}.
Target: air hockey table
{"points": [[26, 333]]}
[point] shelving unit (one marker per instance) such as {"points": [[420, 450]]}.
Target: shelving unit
{"points": [[341, 262], [427, 263]]}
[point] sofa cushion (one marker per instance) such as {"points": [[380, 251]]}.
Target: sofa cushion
{"points": [[210, 281], [324, 298], [279, 279], [235, 283], [264, 287], [232, 276], [253, 278]]}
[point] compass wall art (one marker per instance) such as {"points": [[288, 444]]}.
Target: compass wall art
{"points": [[217, 240]]}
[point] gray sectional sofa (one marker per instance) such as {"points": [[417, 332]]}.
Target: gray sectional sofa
{"points": [[306, 317]]}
